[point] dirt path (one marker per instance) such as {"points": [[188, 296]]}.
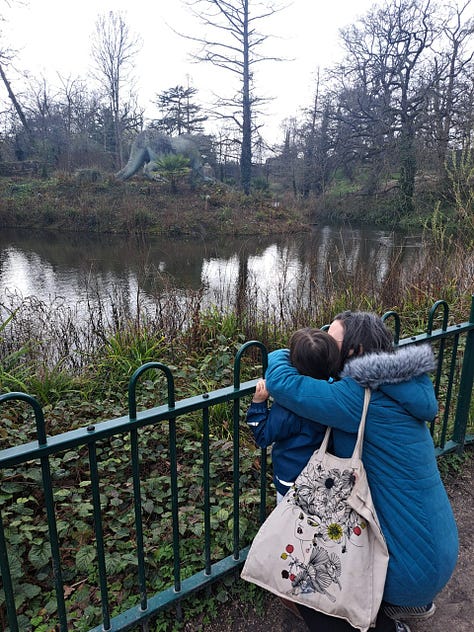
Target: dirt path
{"points": [[455, 604]]}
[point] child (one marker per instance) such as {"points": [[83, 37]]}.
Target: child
{"points": [[312, 352]]}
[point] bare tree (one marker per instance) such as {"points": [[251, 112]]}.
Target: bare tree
{"points": [[236, 48], [16, 104], [387, 61], [114, 48], [6, 56], [453, 72], [318, 142], [284, 165]]}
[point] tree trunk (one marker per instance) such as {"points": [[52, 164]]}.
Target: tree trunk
{"points": [[407, 172], [16, 105], [246, 149]]}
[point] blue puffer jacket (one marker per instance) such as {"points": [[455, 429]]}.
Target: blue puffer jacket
{"points": [[398, 454], [294, 440]]}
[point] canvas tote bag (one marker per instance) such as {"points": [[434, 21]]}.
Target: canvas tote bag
{"points": [[322, 545]]}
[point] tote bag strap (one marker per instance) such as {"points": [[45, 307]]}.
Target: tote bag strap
{"points": [[357, 454], [321, 451]]}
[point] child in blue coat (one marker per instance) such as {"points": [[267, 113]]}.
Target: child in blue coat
{"points": [[312, 352]]}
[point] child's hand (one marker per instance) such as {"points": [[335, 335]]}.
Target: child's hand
{"points": [[261, 393]]}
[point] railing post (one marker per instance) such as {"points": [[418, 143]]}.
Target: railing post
{"points": [[442, 343], [396, 319], [263, 453], [7, 581], [132, 413], [50, 511], [465, 386]]}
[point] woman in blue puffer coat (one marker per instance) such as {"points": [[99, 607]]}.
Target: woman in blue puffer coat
{"points": [[398, 453]]}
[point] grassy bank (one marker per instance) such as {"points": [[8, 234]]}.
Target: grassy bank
{"points": [[93, 202], [141, 206]]}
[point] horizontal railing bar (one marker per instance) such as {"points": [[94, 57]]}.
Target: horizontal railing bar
{"points": [[437, 334], [453, 446], [167, 597], [95, 432]]}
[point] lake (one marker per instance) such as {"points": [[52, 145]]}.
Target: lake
{"points": [[75, 267]]}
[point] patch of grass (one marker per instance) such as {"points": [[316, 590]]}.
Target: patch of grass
{"points": [[451, 465]]}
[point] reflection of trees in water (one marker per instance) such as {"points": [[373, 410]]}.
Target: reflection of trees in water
{"points": [[285, 274], [292, 276]]}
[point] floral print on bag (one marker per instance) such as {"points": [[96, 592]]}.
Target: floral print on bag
{"points": [[324, 526]]}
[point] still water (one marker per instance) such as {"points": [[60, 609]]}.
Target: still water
{"points": [[74, 266]]}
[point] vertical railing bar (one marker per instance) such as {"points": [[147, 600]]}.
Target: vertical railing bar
{"points": [[49, 502], [132, 413], [207, 494], [137, 502], [239, 354], [174, 504], [7, 581], [99, 536], [439, 366], [396, 318], [465, 385], [236, 452], [449, 392], [263, 485], [236, 478], [432, 314], [442, 343], [54, 542]]}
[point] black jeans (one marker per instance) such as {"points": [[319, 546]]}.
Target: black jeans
{"points": [[318, 622]]}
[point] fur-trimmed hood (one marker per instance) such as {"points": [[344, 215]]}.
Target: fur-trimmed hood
{"points": [[401, 376], [375, 369]]}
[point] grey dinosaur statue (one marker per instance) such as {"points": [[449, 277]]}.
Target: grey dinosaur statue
{"points": [[150, 145]]}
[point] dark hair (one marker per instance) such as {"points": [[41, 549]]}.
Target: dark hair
{"points": [[364, 332], [315, 353]]}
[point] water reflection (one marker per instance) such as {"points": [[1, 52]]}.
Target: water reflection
{"points": [[48, 265]]}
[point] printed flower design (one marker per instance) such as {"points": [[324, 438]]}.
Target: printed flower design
{"points": [[322, 570], [335, 531], [322, 492], [324, 526]]}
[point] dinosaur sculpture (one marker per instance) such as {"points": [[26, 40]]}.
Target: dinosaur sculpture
{"points": [[150, 145]]}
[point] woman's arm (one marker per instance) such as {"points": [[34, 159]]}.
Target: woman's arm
{"points": [[313, 399]]}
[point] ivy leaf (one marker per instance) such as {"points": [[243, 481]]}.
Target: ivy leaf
{"points": [[84, 509], [16, 569], [30, 590], [148, 506], [197, 528], [222, 515], [70, 456], [39, 555], [222, 596], [85, 556]]}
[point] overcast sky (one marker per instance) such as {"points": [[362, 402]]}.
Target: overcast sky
{"points": [[54, 36]]}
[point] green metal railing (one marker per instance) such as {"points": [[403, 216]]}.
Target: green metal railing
{"points": [[454, 346]]}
